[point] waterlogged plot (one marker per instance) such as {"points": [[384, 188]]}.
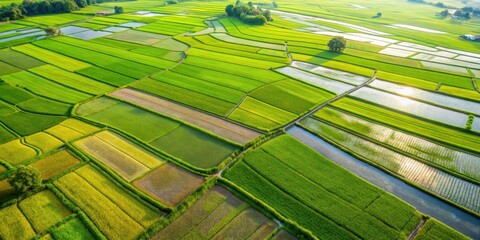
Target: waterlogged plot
{"points": [[396, 52], [460, 191], [219, 214], [451, 159], [328, 200], [438, 99], [208, 122], [317, 80], [415, 107], [115, 212], [445, 68], [331, 73], [124, 157], [437, 59], [169, 184]]}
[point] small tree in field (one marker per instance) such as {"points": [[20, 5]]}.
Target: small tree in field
{"points": [[26, 180], [52, 31], [337, 44]]}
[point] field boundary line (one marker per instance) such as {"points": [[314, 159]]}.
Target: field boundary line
{"points": [[313, 111], [417, 229]]}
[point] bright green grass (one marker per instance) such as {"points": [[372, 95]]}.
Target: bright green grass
{"points": [[127, 118], [106, 76], [44, 87], [115, 43], [138, 37], [43, 210], [286, 96], [6, 109], [243, 61], [19, 60], [167, 28], [29, 102], [224, 79], [267, 111], [199, 86], [122, 66], [71, 80], [434, 229], [261, 75], [55, 19], [412, 125], [73, 229], [278, 163], [194, 147], [197, 100], [117, 52], [159, 53], [51, 57], [253, 120]]}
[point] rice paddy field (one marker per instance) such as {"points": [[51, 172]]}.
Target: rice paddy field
{"points": [[172, 120]]}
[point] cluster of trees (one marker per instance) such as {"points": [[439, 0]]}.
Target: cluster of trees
{"points": [[248, 13], [36, 7]]}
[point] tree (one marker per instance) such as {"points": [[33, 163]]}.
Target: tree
{"points": [[337, 44], [275, 4], [52, 31], [26, 180], [444, 13], [229, 10], [118, 9]]}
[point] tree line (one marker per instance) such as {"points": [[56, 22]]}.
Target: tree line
{"points": [[37, 7], [249, 13]]}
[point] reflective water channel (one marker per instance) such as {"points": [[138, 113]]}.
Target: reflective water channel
{"points": [[462, 221]]}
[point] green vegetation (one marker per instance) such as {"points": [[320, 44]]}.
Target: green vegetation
{"points": [[337, 44], [26, 180]]}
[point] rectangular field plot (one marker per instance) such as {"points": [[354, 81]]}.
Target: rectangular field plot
{"points": [[71, 80], [169, 184], [14, 225], [319, 195], [122, 156], [45, 87], [218, 214], [72, 229], [116, 213], [194, 147], [139, 37], [106, 76], [19, 60], [71, 129], [434, 229], [168, 135], [127, 118], [44, 141], [213, 124], [55, 164], [261, 115], [182, 95], [51, 57]]}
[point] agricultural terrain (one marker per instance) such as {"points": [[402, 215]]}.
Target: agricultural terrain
{"points": [[153, 119]]}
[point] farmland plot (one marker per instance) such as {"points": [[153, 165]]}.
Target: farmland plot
{"points": [[15, 152], [52, 165], [213, 124], [71, 129], [322, 82], [116, 213], [139, 37], [122, 156], [439, 182], [169, 184], [334, 209], [218, 214], [456, 161]]}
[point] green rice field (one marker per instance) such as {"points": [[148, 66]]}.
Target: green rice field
{"points": [[273, 120]]}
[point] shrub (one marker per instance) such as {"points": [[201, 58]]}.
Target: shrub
{"points": [[26, 180]]}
